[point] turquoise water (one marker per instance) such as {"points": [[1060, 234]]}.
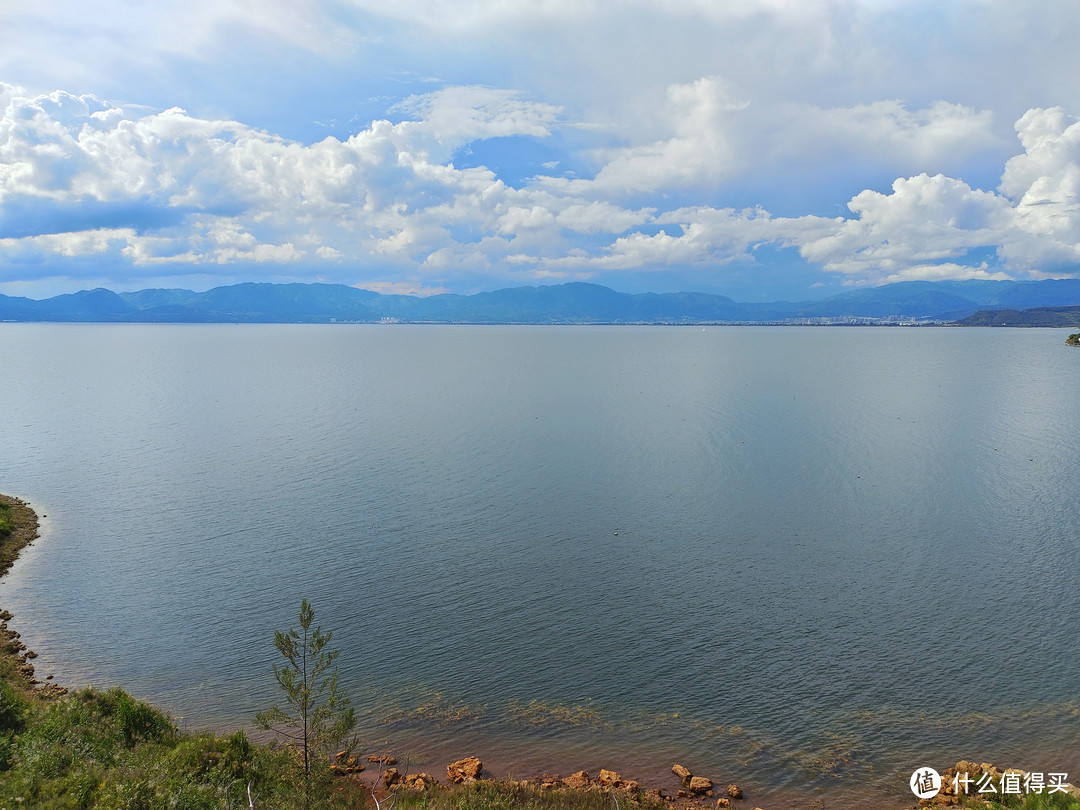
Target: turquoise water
{"points": [[809, 560]]}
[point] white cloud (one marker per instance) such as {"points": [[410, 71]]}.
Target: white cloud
{"points": [[401, 288], [885, 132], [697, 152], [946, 271], [455, 116], [170, 188]]}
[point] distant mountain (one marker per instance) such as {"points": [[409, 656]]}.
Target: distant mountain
{"points": [[1036, 316], [915, 301]]}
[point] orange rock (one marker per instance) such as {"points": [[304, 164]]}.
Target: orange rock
{"points": [[577, 781], [419, 781], [608, 778], [464, 770], [391, 777], [734, 791], [681, 772]]}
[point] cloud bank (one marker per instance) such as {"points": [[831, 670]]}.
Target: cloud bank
{"points": [[168, 188]]}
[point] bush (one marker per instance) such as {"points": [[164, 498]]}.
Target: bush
{"points": [[13, 708], [136, 720], [6, 524]]}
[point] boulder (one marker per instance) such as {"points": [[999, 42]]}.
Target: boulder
{"points": [[608, 778], [419, 781], [577, 781], [385, 759], [681, 772], [723, 801], [464, 770], [699, 785], [391, 777], [734, 791]]}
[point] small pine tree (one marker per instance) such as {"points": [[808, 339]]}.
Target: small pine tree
{"points": [[316, 719]]}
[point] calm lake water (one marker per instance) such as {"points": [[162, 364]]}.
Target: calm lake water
{"points": [[805, 559]]}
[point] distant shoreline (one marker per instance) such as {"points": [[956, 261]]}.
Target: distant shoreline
{"points": [[968, 303]]}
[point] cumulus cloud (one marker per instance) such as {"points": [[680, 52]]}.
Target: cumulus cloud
{"points": [[389, 195], [924, 219], [697, 152], [240, 195]]}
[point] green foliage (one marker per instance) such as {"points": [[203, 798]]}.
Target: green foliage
{"points": [[1046, 800], [7, 526], [95, 750], [508, 795], [316, 720], [13, 707], [134, 719]]}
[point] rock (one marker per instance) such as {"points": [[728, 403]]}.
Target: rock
{"points": [[734, 791], [418, 781], [608, 778], [655, 795], [699, 785], [385, 759], [346, 762], [391, 777], [464, 770], [577, 781], [723, 802], [681, 772]]}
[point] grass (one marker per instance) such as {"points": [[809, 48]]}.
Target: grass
{"points": [[1032, 801], [509, 795], [6, 524], [93, 749]]}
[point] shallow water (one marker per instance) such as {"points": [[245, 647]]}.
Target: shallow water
{"points": [[809, 560]]}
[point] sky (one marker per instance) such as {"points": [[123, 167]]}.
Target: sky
{"points": [[762, 149]]}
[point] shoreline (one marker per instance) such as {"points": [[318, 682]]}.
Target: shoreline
{"points": [[24, 532]]}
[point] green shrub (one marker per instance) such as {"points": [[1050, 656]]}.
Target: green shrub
{"points": [[136, 720], [6, 524], [13, 707]]}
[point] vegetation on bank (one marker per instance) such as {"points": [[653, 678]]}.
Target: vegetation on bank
{"points": [[105, 750], [6, 525]]}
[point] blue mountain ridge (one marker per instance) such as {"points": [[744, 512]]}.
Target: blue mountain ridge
{"points": [[576, 302]]}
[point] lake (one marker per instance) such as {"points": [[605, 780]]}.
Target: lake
{"points": [[808, 560]]}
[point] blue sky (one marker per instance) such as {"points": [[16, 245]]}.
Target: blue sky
{"points": [[764, 149]]}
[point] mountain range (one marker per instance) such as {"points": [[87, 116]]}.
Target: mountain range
{"points": [[918, 301]]}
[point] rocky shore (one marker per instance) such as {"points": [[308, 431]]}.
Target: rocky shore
{"points": [[696, 791], [24, 531]]}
